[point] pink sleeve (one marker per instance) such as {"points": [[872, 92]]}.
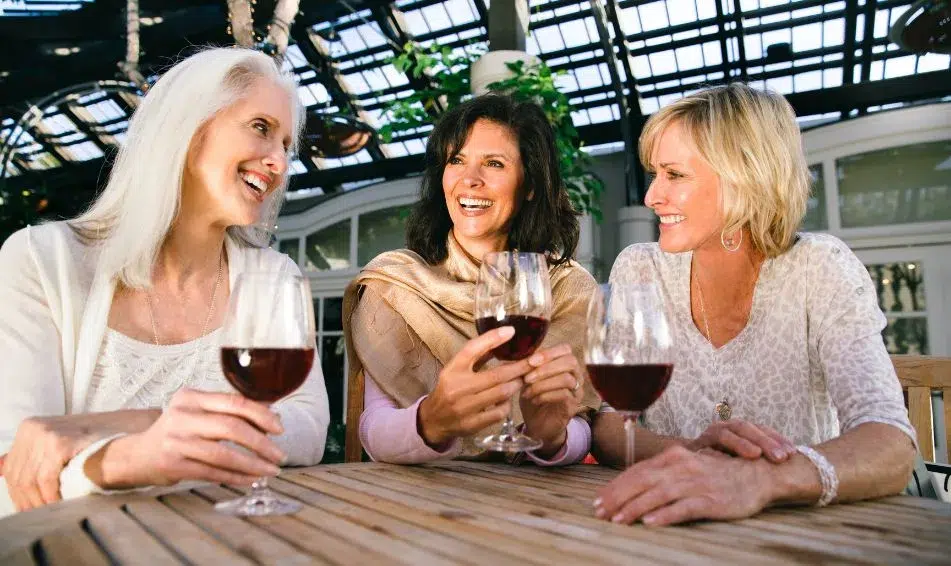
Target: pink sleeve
{"points": [[389, 434], [576, 447]]}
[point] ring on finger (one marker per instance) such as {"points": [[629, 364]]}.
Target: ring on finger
{"points": [[577, 384]]}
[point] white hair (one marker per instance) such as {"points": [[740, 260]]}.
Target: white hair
{"points": [[135, 211]]}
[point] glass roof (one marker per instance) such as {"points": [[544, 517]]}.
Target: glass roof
{"points": [[672, 48]]}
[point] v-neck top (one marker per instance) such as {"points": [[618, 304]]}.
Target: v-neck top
{"points": [[810, 362]]}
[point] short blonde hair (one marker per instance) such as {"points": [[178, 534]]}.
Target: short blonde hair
{"points": [[751, 140]]}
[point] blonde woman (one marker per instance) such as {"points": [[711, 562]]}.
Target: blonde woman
{"points": [[781, 361], [108, 321]]}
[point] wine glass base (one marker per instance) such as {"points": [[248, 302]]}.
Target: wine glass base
{"points": [[258, 506], [509, 443]]}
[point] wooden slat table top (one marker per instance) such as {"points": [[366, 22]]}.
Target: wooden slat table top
{"points": [[457, 513]]}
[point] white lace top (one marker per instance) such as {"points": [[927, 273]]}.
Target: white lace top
{"points": [[130, 374], [810, 362]]}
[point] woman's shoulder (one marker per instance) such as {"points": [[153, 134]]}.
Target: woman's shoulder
{"points": [[637, 258], [51, 242], [822, 255]]}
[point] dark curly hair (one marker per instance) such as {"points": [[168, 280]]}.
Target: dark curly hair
{"points": [[546, 224]]}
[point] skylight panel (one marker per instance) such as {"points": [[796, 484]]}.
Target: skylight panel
{"points": [[295, 57], [748, 5], [397, 149], [681, 11], [58, 124], [711, 53], [600, 114], [436, 17], [754, 46], [352, 40], [104, 111], [649, 105], [933, 62], [900, 66], [461, 11], [881, 22], [630, 21], [653, 16], [83, 151], [807, 37], [589, 77], [415, 23], [833, 32], [355, 83], [641, 67], [567, 83], [297, 166], [782, 85], [547, 39], [574, 33], [663, 63], [689, 58], [416, 146], [580, 118]]}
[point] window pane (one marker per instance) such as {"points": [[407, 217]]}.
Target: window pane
{"points": [[333, 318], [901, 292], [900, 287], [329, 248], [380, 231], [816, 206], [911, 183], [331, 361], [291, 248]]}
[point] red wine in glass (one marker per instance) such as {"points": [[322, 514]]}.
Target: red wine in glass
{"points": [[630, 387], [529, 333], [266, 374]]}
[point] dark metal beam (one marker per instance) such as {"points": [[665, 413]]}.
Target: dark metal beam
{"points": [[83, 127], [868, 39], [391, 24], [738, 35], [630, 106], [317, 56]]}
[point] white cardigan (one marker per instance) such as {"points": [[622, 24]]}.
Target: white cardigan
{"points": [[54, 306]]}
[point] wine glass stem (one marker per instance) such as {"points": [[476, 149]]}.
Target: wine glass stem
{"points": [[508, 426], [629, 420], [259, 487]]}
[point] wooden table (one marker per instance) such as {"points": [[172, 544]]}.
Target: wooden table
{"points": [[457, 512]]}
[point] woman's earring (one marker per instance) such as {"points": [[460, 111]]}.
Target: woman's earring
{"points": [[730, 244]]}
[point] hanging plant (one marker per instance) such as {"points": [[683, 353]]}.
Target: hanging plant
{"points": [[448, 74]]}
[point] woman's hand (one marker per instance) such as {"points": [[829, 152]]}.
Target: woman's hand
{"points": [[44, 445], [465, 400], [185, 443], [746, 440], [551, 397], [679, 485]]}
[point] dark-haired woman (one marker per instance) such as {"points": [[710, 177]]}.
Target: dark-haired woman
{"points": [[491, 183]]}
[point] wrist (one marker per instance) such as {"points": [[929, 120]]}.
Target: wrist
{"points": [[795, 481], [550, 446], [109, 467], [424, 428]]}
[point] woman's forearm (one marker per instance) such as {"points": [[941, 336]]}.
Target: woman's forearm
{"points": [[871, 460], [608, 443]]}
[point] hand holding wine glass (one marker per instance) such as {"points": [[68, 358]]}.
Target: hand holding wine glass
{"points": [[629, 353], [514, 289], [267, 351]]}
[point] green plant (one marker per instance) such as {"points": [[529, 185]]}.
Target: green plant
{"points": [[448, 79]]}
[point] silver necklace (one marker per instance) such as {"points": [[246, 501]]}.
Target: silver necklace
{"points": [[211, 307], [721, 410]]}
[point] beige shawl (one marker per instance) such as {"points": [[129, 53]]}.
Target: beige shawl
{"points": [[405, 319]]}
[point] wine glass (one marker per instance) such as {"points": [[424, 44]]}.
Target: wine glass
{"points": [[513, 290], [629, 352], [267, 350]]}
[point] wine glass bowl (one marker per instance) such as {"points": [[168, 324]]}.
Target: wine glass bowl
{"points": [[629, 350], [514, 289], [267, 352]]}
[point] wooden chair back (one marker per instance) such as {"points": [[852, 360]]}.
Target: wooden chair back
{"points": [[919, 376], [352, 448]]}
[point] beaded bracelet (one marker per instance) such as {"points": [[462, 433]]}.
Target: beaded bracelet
{"points": [[827, 476]]}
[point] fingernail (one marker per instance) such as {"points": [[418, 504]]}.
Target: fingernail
{"points": [[617, 518], [529, 378], [536, 360], [272, 470], [506, 332], [597, 502], [600, 513], [649, 520], [778, 454]]}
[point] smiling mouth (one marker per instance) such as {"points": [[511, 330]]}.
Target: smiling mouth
{"points": [[473, 204], [669, 219], [255, 183]]}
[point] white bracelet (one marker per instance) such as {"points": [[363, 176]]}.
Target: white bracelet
{"points": [[827, 475]]}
